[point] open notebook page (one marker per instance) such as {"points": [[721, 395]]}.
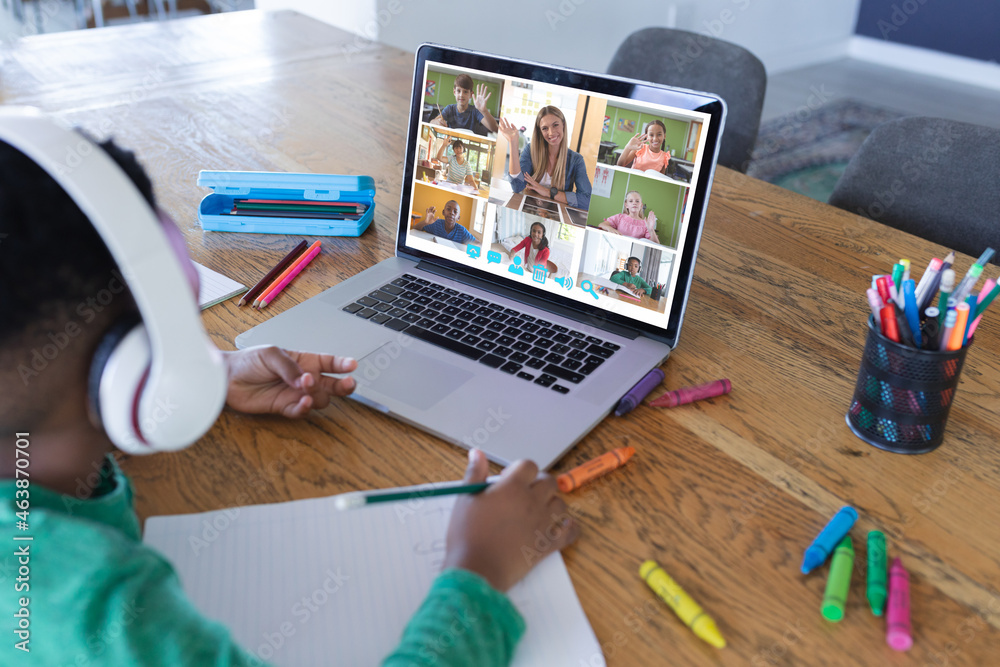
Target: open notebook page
{"points": [[302, 583]]}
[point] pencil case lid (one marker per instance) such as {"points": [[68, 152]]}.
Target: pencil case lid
{"points": [[315, 187]]}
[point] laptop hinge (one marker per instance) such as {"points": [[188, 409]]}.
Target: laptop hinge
{"points": [[563, 311]]}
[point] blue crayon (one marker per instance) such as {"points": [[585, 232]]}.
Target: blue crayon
{"points": [[828, 538]]}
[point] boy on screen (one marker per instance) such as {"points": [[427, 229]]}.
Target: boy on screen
{"points": [[461, 115]]}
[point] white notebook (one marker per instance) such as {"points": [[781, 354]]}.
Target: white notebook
{"points": [[214, 287], [302, 583]]}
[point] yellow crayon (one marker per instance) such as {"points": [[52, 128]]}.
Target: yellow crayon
{"points": [[686, 609]]}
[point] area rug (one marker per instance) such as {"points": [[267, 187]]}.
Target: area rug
{"points": [[807, 151]]}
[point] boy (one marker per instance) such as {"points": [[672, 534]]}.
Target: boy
{"points": [[446, 227], [459, 169], [98, 596], [461, 116], [631, 278]]}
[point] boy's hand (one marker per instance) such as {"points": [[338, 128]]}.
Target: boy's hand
{"points": [[501, 533], [267, 379], [430, 215], [482, 96]]}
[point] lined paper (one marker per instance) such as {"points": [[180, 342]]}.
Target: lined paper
{"points": [[302, 583], [214, 287]]}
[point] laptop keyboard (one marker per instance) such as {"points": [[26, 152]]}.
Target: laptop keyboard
{"points": [[535, 350]]}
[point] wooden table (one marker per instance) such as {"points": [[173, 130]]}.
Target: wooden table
{"points": [[725, 493]]}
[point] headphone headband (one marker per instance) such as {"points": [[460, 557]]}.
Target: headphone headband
{"points": [[186, 371]]}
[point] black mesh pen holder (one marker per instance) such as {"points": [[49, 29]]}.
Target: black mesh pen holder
{"points": [[903, 394]]}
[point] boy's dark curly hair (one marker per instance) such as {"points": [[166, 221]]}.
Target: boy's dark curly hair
{"points": [[51, 257]]}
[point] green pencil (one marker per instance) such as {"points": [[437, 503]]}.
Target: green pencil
{"points": [[357, 499]]}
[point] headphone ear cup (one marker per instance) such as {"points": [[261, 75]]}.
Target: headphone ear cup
{"points": [[117, 376]]}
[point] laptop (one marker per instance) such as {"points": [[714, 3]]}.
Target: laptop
{"points": [[493, 325]]}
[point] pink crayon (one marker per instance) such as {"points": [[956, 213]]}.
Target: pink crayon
{"points": [[685, 395], [898, 632]]}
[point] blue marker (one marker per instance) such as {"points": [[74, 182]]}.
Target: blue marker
{"points": [[828, 538], [912, 312]]}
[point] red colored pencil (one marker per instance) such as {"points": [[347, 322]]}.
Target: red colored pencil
{"points": [[272, 274], [301, 264], [289, 269]]}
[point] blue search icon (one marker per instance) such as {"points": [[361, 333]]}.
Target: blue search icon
{"points": [[588, 286]]}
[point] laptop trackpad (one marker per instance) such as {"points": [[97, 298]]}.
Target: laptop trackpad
{"points": [[409, 376]]}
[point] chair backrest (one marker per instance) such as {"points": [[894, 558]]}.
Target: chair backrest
{"points": [[696, 61], [938, 179]]}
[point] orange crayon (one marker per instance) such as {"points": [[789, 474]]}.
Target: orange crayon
{"points": [[603, 464]]}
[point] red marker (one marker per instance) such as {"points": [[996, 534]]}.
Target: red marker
{"points": [[883, 288], [889, 328]]}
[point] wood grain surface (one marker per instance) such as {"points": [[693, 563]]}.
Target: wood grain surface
{"points": [[725, 493]]}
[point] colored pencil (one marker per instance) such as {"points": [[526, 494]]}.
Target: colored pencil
{"points": [[291, 276], [281, 276], [269, 278]]}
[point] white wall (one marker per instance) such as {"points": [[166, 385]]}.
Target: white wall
{"points": [[784, 34], [354, 15]]}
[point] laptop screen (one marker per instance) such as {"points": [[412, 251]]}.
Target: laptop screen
{"points": [[584, 190]]}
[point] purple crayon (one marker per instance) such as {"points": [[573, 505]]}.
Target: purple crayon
{"points": [[828, 538], [684, 395]]}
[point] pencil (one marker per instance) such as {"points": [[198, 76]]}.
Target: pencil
{"points": [[278, 268], [288, 269], [347, 501], [296, 270]]}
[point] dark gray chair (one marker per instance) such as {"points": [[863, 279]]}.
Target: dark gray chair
{"points": [[696, 61], [938, 179]]}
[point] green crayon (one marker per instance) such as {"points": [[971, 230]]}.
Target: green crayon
{"points": [[837, 585], [877, 592]]}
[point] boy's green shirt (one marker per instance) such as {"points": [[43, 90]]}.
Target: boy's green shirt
{"points": [[96, 595], [623, 277]]}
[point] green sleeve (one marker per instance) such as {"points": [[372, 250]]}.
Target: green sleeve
{"points": [[619, 277], [644, 285], [463, 621], [100, 598]]}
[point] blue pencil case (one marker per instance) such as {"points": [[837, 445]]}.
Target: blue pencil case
{"points": [[227, 186]]}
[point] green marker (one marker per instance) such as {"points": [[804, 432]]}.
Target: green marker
{"points": [[837, 585], [877, 592], [897, 281]]}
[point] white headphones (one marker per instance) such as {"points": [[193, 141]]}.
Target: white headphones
{"points": [[158, 384]]}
